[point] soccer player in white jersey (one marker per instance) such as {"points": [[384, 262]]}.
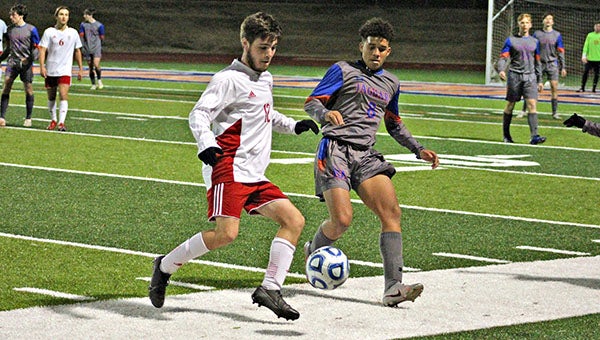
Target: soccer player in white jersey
{"points": [[60, 43], [238, 103], [3, 31]]}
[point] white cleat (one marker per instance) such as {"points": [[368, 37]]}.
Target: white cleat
{"points": [[100, 85], [400, 292], [27, 123]]}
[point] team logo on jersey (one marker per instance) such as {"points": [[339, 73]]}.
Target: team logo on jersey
{"points": [[251, 95]]}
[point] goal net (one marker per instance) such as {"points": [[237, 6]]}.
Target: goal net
{"points": [[573, 19]]}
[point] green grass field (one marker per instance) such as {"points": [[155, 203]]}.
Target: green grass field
{"points": [[96, 203]]}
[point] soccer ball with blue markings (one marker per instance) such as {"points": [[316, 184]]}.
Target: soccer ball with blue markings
{"points": [[327, 268]]}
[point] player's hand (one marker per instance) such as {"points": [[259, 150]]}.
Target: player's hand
{"points": [[540, 87], [502, 75], [209, 155], [563, 73], [575, 120], [431, 157], [334, 117], [305, 125]]}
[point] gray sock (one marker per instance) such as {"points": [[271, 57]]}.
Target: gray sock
{"points": [[390, 246], [320, 240], [532, 119]]}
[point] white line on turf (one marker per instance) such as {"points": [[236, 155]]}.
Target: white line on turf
{"points": [[180, 284], [597, 241], [380, 265], [54, 293], [158, 180], [470, 257], [552, 250]]}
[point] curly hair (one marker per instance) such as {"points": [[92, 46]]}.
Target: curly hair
{"points": [[377, 27], [260, 25]]}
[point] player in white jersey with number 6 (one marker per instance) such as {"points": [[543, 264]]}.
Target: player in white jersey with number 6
{"points": [[60, 43], [238, 103]]}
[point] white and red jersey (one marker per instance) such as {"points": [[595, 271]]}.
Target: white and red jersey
{"points": [[60, 46], [238, 102]]}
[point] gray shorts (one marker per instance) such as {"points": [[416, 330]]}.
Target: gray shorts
{"points": [[550, 71], [521, 85], [14, 68], [341, 165]]}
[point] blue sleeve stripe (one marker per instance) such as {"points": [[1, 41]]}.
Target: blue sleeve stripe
{"points": [[331, 82]]}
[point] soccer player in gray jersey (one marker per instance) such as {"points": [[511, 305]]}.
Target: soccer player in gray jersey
{"points": [[350, 102], [23, 40], [552, 56], [92, 33], [524, 78]]}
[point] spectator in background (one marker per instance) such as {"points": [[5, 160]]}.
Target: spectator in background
{"points": [[586, 125], [524, 78], [22, 50], [91, 32], [590, 56], [60, 43]]}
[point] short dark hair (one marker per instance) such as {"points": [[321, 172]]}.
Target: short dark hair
{"points": [[20, 9], [377, 27], [547, 14], [260, 25], [89, 11]]}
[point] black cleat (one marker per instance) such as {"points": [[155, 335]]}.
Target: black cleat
{"points": [[272, 299], [158, 284]]}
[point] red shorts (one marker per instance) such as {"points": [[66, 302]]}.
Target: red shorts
{"points": [[228, 199], [51, 82]]}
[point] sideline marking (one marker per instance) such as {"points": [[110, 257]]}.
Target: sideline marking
{"points": [[597, 241], [54, 293], [470, 257], [380, 265], [552, 250], [180, 284]]}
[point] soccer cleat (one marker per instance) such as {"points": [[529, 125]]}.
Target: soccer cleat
{"points": [[273, 300], [400, 292], [27, 123], [93, 87], [581, 90], [158, 284], [2, 122], [521, 114], [61, 127], [537, 139], [52, 125], [100, 85], [555, 115], [507, 140], [306, 250]]}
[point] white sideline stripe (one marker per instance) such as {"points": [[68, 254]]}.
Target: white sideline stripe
{"points": [[470, 257], [597, 241], [180, 284], [81, 118], [132, 118], [306, 196], [54, 294], [139, 253], [552, 250], [380, 265]]}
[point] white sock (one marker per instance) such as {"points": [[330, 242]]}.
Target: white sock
{"points": [[63, 107], [280, 260], [188, 250], [52, 109]]}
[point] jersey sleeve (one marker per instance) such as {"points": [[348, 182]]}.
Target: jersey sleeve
{"points": [[504, 56], [282, 123], [101, 32], [560, 49], [320, 100], [397, 129], [211, 103]]}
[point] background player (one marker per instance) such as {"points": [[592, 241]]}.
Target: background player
{"points": [[524, 78], [91, 32], [22, 50], [238, 102], [60, 43], [350, 102], [3, 36]]}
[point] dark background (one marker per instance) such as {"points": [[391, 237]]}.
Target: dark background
{"points": [[429, 34]]}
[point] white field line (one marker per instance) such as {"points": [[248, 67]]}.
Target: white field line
{"points": [[380, 265], [470, 257], [54, 293], [306, 196], [552, 250], [597, 241], [180, 284], [138, 253]]}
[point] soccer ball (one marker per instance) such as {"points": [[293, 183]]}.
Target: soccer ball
{"points": [[327, 268]]}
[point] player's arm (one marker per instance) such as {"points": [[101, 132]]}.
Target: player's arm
{"points": [[560, 49], [318, 104], [504, 59], [79, 61], [538, 66], [43, 71]]}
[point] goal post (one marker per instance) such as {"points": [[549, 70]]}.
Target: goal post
{"points": [[574, 19]]}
